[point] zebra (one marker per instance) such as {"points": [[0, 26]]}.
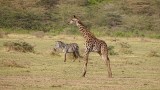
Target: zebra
{"points": [[68, 48]]}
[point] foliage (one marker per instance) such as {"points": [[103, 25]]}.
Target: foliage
{"points": [[111, 50], [122, 18], [19, 46]]}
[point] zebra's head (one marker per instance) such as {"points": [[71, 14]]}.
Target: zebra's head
{"points": [[59, 45]]}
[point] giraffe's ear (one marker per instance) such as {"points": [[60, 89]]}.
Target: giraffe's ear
{"points": [[74, 16]]}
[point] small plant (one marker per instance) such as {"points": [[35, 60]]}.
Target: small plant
{"points": [[111, 50], [125, 48], [124, 45], [19, 46]]}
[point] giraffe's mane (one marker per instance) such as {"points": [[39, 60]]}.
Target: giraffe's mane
{"points": [[81, 23]]}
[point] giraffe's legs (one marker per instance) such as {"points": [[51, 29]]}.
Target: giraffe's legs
{"points": [[107, 62], [99, 53], [85, 64], [109, 68]]}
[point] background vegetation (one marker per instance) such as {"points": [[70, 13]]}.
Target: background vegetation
{"points": [[124, 18]]}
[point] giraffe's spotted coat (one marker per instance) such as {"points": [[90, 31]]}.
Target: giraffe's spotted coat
{"points": [[92, 44]]}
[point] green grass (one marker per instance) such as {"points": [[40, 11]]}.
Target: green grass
{"points": [[41, 70]]}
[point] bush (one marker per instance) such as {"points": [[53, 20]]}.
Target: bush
{"points": [[111, 50], [109, 17], [19, 46], [24, 15]]}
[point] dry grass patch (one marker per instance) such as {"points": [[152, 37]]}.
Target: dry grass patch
{"points": [[3, 34], [153, 53], [54, 53], [11, 63], [125, 48], [39, 34]]}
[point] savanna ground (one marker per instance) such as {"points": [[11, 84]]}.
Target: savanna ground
{"points": [[138, 69]]}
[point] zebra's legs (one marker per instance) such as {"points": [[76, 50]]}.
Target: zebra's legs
{"points": [[65, 56], [78, 55], [75, 56]]}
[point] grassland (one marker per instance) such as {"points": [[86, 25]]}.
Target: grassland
{"points": [[139, 70]]}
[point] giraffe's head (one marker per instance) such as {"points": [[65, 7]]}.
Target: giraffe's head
{"points": [[73, 20]]}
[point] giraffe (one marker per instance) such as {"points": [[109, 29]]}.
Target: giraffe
{"points": [[92, 44]]}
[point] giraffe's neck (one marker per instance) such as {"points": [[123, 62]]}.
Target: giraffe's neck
{"points": [[86, 33]]}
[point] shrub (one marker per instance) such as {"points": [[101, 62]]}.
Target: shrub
{"points": [[19, 46], [111, 50]]}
